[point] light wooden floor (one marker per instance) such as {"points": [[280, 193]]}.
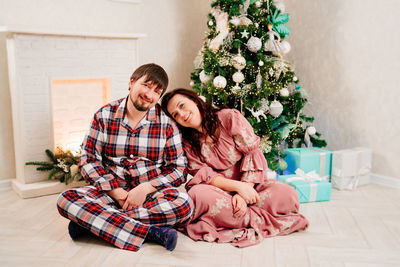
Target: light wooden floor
{"points": [[360, 228]]}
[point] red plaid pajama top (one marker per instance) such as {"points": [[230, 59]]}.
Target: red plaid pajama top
{"points": [[115, 155]]}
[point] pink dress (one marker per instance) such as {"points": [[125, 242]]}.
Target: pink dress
{"points": [[237, 156]]}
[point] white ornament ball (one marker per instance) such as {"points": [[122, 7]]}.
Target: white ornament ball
{"points": [[275, 109], [311, 130], [260, 63], [210, 23], [295, 79], [219, 82], [285, 47], [204, 77], [280, 6], [239, 62], [238, 77], [254, 44], [191, 83], [284, 92], [258, 4]]}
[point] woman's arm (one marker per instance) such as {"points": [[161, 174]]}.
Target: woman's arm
{"points": [[245, 190]]}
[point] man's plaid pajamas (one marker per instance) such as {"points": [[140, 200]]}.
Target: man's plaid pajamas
{"points": [[115, 155]]}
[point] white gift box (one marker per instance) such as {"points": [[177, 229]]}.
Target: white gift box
{"points": [[349, 182], [348, 165]]}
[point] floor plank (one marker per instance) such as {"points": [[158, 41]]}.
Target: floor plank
{"points": [[356, 228]]}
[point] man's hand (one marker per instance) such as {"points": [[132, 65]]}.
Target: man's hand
{"points": [[138, 195], [247, 192], [239, 205], [119, 195]]}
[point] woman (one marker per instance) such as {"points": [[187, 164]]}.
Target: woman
{"points": [[234, 200]]}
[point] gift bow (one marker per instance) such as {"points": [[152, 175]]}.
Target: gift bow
{"points": [[310, 178]]}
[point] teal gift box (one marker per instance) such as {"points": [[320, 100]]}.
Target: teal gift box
{"points": [[308, 191], [309, 159]]}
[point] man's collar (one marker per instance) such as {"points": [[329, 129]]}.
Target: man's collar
{"points": [[122, 109]]}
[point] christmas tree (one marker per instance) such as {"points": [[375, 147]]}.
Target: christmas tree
{"points": [[241, 66]]}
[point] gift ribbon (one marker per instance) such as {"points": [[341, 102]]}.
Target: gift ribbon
{"points": [[310, 178], [322, 160], [361, 169]]}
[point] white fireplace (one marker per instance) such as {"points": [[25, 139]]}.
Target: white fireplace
{"points": [[57, 82]]}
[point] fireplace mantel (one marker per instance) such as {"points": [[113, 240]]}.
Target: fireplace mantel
{"points": [[70, 33], [36, 58]]}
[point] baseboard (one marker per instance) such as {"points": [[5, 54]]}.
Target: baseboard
{"points": [[385, 180], [42, 188], [5, 184]]}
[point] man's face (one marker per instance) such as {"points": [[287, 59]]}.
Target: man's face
{"points": [[144, 95]]}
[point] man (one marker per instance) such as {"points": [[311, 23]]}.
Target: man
{"points": [[133, 159]]}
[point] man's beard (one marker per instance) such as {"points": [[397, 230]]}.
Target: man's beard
{"points": [[139, 106]]}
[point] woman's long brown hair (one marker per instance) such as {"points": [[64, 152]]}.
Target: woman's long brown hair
{"points": [[209, 119]]}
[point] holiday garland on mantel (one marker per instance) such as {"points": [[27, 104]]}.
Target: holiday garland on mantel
{"points": [[240, 65]]}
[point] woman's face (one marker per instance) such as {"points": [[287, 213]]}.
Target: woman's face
{"points": [[185, 112]]}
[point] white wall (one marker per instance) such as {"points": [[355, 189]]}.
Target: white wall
{"points": [[347, 57], [174, 28], [346, 53]]}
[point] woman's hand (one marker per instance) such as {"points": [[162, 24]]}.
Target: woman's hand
{"points": [[239, 205], [247, 192]]}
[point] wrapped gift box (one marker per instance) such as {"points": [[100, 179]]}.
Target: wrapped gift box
{"points": [[309, 159], [271, 174], [308, 190], [349, 165], [351, 162]]}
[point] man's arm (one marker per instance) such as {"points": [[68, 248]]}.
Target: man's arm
{"points": [[90, 164], [174, 171]]}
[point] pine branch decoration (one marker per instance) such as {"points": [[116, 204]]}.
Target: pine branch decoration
{"points": [[63, 166]]}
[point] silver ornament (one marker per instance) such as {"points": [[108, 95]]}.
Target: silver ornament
{"points": [[258, 80], [254, 44], [245, 34], [260, 63], [236, 89], [280, 6], [285, 47], [204, 78], [219, 82], [245, 21], [271, 72], [238, 77], [311, 130], [275, 109], [284, 92], [191, 83], [264, 105], [210, 23], [235, 21], [295, 79], [239, 62]]}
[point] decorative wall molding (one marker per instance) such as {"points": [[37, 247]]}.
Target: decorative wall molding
{"points": [[128, 1], [385, 180], [5, 184]]}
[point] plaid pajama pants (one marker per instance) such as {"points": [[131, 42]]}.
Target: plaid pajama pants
{"points": [[125, 229]]}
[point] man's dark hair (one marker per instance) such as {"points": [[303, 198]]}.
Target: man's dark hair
{"points": [[153, 73]]}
